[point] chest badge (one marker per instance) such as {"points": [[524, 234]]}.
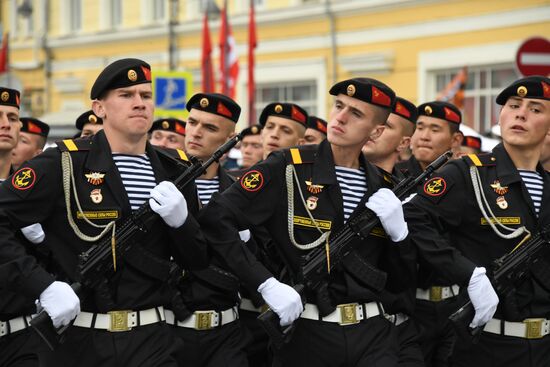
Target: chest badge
{"points": [[500, 190], [502, 203], [314, 189], [95, 178], [96, 196], [312, 202]]}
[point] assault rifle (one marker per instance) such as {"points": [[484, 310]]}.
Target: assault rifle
{"points": [[507, 271], [96, 264], [316, 265]]}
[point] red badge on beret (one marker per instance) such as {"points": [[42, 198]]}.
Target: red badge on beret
{"points": [[435, 186], [380, 97], [400, 109], [297, 115], [146, 72], [451, 115], [545, 89], [321, 127], [33, 128], [222, 110], [252, 181], [179, 129]]}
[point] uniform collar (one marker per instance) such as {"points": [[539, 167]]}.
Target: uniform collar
{"points": [[507, 172]]}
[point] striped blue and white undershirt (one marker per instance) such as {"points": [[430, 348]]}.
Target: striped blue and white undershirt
{"points": [[534, 184], [353, 185], [137, 177], [206, 188]]}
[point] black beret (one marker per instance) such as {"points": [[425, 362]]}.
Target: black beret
{"points": [[472, 142], [215, 103], [287, 110], [367, 90], [441, 110], [88, 117], [316, 123], [119, 74], [251, 130], [9, 97], [535, 87], [34, 126], [170, 124], [405, 109]]}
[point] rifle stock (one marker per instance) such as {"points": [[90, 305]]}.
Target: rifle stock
{"points": [[95, 264], [315, 267]]}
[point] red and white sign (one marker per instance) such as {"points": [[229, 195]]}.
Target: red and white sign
{"points": [[533, 57]]}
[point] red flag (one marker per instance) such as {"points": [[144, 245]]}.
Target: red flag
{"points": [[229, 63], [4, 54], [454, 91], [252, 44], [207, 68]]}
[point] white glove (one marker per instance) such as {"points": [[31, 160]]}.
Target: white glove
{"points": [[60, 302], [483, 297], [168, 202], [282, 299], [244, 235], [34, 233], [390, 211]]}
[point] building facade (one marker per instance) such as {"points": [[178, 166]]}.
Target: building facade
{"points": [[57, 47]]}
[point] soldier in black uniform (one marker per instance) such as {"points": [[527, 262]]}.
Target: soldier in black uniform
{"points": [[251, 146], [383, 152], [435, 134], [168, 133], [211, 333], [470, 145], [84, 188], [316, 130], [88, 123], [32, 139], [19, 345], [479, 208], [437, 131], [337, 183]]}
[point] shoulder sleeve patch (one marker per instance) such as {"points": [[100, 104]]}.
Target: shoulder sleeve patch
{"points": [[435, 186], [252, 181], [24, 179]]}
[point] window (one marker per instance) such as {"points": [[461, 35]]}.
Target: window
{"points": [[302, 93], [158, 10], [484, 83], [75, 15], [115, 13]]}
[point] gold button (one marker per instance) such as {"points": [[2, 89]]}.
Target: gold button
{"points": [[204, 102], [165, 125], [5, 96], [350, 90], [522, 91], [278, 108], [428, 110], [132, 75]]}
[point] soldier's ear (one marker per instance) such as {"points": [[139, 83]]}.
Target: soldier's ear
{"points": [[98, 109], [376, 132]]}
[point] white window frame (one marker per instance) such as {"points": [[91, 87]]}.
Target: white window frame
{"points": [[67, 13], [432, 62]]}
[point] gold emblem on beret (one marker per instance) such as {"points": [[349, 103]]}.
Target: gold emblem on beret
{"points": [[522, 91], [350, 90], [428, 110], [254, 130], [92, 119], [204, 102], [278, 108], [5, 96], [132, 75], [165, 125]]}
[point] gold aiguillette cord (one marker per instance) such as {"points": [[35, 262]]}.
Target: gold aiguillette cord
{"points": [[327, 250], [113, 248]]}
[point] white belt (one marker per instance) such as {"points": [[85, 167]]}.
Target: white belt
{"points": [[123, 320], [204, 320], [345, 314], [528, 328], [247, 305], [436, 294], [397, 319], [14, 325]]}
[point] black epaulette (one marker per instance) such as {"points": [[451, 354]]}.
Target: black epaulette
{"points": [[481, 160], [177, 154], [74, 145], [301, 155]]}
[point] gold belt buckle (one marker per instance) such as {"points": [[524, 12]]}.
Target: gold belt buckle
{"points": [[203, 320], [119, 320], [533, 328], [436, 294], [348, 314]]}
